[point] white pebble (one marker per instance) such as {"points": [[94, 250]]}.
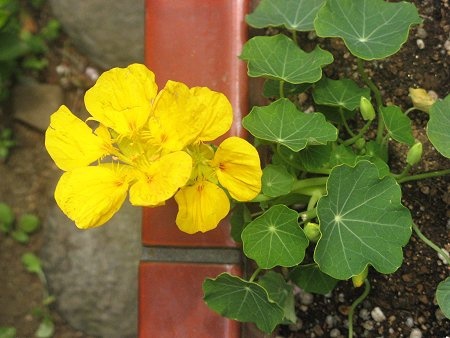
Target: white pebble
{"points": [[378, 315], [415, 333], [335, 333], [91, 73], [421, 33], [420, 43], [447, 45], [306, 298], [364, 314], [341, 297], [409, 322]]}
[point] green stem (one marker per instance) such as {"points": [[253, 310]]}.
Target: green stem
{"points": [[315, 197], [255, 274], [377, 93], [281, 87], [354, 305], [423, 176], [361, 133], [403, 173], [308, 183], [344, 122], [410, 110], [430, 243], [309, 214], [294, 36]]}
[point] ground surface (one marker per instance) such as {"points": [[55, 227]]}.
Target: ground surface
{"points": [[405, 297]]}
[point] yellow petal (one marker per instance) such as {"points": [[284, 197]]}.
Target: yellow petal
{"points": [[161, 179], [201, 207], [216, 113], [238, 168], [421, 99], [90, 196], [122, 98], [173, 124], [70, 142]]}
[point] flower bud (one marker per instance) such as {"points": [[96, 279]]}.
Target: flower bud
{"points": [[358, 280], [312, 231], [414, 154], [366, 108], [360, 143], [422, 99]]}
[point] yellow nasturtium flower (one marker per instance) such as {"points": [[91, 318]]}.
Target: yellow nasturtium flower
{"points": [[150, 146], [421, 99]]}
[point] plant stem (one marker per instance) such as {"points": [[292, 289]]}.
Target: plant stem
{"points": [[294, 165], [294, 36], [403, 173], [424, 175], [410, 110], [281, 87], [309, 214], [377, 94], [308, 183], [363, 130], [315, 197], [430, 243], [354, 305], [255, 274], [344, 122]]}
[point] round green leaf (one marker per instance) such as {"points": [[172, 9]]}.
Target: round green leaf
{"points": [[443, 296], [278, 57], [397, 124], [281, 293], [8, 332], [275, 238], [244, 301], [315, 157], [343, 93], [293, 14], [32, 263], [371, 29], [20, 236], [46, 329], [281, 122], [276, 181], [28, 223], [311, 279], [439, 125], [240, 217], [362, 222]]}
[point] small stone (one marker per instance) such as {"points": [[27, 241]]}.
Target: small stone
{"points": [[318, 330], [312, 35], [421, 33], [306, 298], [368, 325], [423, 299], [341, 298], [420, 44], [407, 277], [447, 45], [425, 189], [378, 315], [297, 326], [439, 315], [335, 333], [330, 321], [364, 314], [409, 322], [91, 73], [415, 333]]}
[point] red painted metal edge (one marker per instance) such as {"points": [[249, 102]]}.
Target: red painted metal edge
{"points": [[196, 42]]}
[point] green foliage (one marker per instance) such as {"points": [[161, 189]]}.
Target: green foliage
{"points": [[7, 332], [6, 142], [327, 172], [20, 47], [21, 229], [443, 296]]}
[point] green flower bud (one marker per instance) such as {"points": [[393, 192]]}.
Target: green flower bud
{"points": [[360, 143], [366, 108], [414, 154], [312, 231], [359, 279]]}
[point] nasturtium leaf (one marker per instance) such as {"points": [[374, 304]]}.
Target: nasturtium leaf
{"points": [[283, 123], [278, 57], [371, 29], [240, 217], [342, 155], [293, 14], [276, 181], [272, 88], [32, 263], [315, 157], [275, 238], [311, 279], [374, 148], [46, 329], [343, 93], [280, 292], [20, 236], [439, 126], [383, 168], [362, 222], [443, 296], [28, 223], [244, 301], [8, 332], [397, 124], [333, 113]]}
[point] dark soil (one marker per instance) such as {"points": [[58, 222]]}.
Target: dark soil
{"points": [[406, 297]]}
